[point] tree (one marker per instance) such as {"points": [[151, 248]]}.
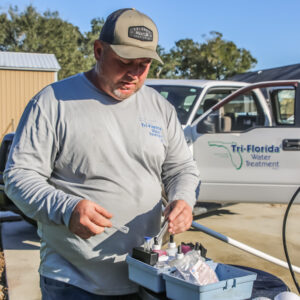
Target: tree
{"points": [[222, 59], [4, 32], [89, 38], [30, 31], [214, 59], [186, 53], [157, 70]]}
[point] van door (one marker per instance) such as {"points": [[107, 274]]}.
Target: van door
{"points": [[249, 151]]}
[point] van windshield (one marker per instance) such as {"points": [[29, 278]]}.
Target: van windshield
{"points": [[182, 97]]}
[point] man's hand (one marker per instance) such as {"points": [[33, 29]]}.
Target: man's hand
{"points": [[89, 219], [180, 216]]}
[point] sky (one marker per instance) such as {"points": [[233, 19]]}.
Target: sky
{"points": [[269, 29]]}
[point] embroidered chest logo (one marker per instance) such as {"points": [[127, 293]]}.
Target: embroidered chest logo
{"points": [[153, 130]]}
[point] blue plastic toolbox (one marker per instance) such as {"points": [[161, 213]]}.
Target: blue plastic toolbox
{"points": [[145, 275], [234, 284]]}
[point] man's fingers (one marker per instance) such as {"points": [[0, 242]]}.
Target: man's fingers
{"points": [[175, 209], [180, 225], [88, 219], [87, 228], [180, 216], [101, 210], [100, 219], [95, 228]]}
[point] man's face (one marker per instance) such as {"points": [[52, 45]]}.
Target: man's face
{"points": [[117, 76]]}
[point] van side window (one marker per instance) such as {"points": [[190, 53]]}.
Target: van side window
{"points": [[213, 96], [283, 104], [240, 114], [245, 112]]}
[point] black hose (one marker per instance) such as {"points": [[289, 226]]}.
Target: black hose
{"points": [[284, 240]]}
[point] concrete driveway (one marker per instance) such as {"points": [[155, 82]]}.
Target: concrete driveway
{"points": [[256, 225], [21, 253]]}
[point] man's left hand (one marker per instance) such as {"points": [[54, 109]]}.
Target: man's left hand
{"points": [[180, 216]]}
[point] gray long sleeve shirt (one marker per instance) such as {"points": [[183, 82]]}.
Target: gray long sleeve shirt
{"points": [[75, 142]]}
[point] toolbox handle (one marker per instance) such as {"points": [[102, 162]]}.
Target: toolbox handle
{"points": [[230, 283]]}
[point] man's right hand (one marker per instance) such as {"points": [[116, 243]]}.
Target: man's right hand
{"points": [[88, 219]]}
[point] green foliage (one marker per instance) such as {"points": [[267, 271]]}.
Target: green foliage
{"points": [[222, 59], [88, 42], [30, 31], [157, 70], [214, 59], [188, 57]]}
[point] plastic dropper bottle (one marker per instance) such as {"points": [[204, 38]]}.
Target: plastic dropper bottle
{"points": [[172, 249], [195, 254], [179, 256], [156, 246], [197, 248]]}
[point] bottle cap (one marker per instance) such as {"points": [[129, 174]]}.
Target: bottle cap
{"points": [[179, 249], [156, 245], [171, 238], [179, 254], [172, 244]]}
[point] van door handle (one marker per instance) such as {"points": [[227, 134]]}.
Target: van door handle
{"points": [[291, 144]]}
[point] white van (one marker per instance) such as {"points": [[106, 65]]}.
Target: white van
{"points": [[246, 142]]}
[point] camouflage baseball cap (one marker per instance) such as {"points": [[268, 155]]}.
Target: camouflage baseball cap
{"points": [[131, 34]]}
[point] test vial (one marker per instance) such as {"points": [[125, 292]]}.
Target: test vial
{"points": [[147, 244]]}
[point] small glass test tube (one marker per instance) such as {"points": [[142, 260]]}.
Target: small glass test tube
{"points": [[147, 246]]}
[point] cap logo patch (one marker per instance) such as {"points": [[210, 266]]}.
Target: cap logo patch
{"points": [[141, 33]]}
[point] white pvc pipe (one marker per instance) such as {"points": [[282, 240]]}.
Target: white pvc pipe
{"points": [[244, 247]]}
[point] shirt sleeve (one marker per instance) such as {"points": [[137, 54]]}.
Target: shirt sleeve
{"points": [[30, 164], [180, 174]]}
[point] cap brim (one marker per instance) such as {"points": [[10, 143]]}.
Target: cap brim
{"points": [[131, 52]]}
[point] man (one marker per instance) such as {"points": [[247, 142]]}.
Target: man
{"points": [[91, 151]]}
